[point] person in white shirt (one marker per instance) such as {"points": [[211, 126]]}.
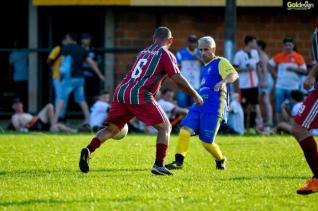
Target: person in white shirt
{"points": [[289, 110], [246, 61], [236, 115], [99, 111], [287, 67], [172, 110]]}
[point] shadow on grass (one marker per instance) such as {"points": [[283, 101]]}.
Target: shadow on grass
{"points": [[56, 202], [241, 178], [41, 172]]}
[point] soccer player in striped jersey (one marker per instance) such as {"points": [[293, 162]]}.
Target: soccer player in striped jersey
{"points": [[205, 120], [134, 97], [306, 119]]}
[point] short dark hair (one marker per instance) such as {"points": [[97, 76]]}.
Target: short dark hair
{"points": [[249, 39], [71, 35], [262, 44], [297, 95], [165, 91], [162, 33], [288, 39]]}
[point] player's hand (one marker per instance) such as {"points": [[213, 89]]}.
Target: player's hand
{"points": [[309, 82], [291, 69], [219, 85], [198, 100]]}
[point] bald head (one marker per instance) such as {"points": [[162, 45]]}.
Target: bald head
{"points": [[162, 33]]}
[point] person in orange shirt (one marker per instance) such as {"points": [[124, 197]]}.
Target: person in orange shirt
{"points": [[54, 61], [286, 67]]}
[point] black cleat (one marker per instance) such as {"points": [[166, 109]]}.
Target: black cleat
{"points": [[174, 165], [84, 160], [221, 164], [157, 170]]}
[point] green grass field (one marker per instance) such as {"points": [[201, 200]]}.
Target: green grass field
{"points": [[40, 172]]}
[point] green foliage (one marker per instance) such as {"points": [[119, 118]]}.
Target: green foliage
{"points": [[40, 172]]}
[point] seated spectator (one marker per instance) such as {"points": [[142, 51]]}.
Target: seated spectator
{"points": [[169, 106], [44, 121], [290, 110], [236, 115], [99, 111]]}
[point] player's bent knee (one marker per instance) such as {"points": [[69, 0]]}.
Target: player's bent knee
{"points": [[187, 129]]}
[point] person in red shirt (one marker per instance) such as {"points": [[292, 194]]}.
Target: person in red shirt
{"points": [[134, 97]]}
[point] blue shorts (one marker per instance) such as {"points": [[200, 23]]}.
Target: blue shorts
{"points": [[204, 124], [73, 84]]}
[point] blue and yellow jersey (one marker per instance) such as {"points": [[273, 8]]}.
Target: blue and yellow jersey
{"points": [[186, 54], [215, 102]]}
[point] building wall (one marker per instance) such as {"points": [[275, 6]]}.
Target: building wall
{"points": [[134, 28]]}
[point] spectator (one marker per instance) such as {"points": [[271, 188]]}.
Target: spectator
{"points": [[236, 115], [54, 61], [169, 106], [290, 110], [18, 60], [266, 86], [99, 111], [189, 61], [246, 61], [287, 67], [44, 121], [75, 82], [92, 87]]}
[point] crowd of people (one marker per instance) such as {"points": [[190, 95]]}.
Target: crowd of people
{"points": [[258, 101]]}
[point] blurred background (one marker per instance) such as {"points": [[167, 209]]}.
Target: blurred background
{"points": [[120, 28]]}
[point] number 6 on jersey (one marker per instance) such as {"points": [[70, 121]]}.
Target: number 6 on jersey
{"points": [[138, 69]]}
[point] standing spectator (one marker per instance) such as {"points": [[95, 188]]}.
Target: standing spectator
{"points": [[75, 82], [246, 61], [287, 67], [266, 86], [18, 60], [189, 61], [99, 111], [92, 87], [54, 61]]}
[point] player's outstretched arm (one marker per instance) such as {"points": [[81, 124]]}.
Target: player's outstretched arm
{"points": [[183, 84]]}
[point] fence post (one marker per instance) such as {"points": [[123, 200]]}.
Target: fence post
{"points": [[109, 32], [33, 59]]}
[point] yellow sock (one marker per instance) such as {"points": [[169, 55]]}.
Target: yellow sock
{"points": [[214, 150], [183, 142]]}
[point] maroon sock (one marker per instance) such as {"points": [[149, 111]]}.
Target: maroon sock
{"points": [[161, 150], [95, 143], [309, 147]]}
